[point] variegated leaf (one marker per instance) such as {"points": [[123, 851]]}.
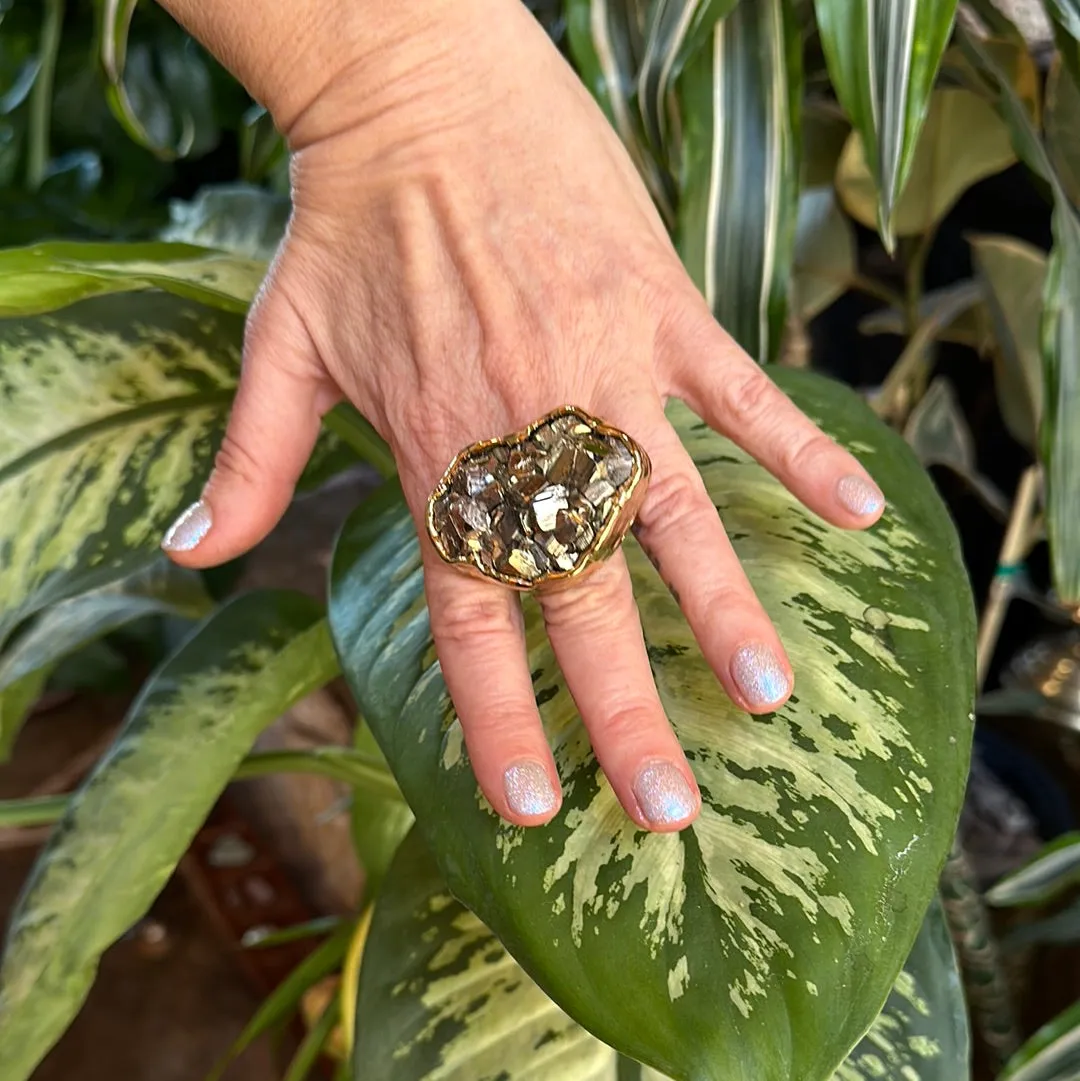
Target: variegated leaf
{"points": [[739, 186], [1052, 1054], [113, 409], [883, 57], [441, 1000], [607, 40], [68, 626], [134, 816], [1066, 16], [1048, 874], [50, 276], [760, 943], [676, 30], [922, 1034]]}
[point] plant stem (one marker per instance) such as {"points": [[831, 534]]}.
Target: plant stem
{"points": [[1014, 549], [37, 157], [34, 811]]}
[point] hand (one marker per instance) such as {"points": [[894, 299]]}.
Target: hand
{"points": [[470, 248]]}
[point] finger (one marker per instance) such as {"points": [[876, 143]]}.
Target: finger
{"points": [[269, 438], [478, 633], [680, 530], [596, 634], [735, 396]]}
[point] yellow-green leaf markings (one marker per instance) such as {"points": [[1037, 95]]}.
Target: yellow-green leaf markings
{"points": [[441, 1000], [45, 277], [134, 816], [922, 1034], [65, 627], [760, 943], [739, 101], [113, 410], [883, 57]]}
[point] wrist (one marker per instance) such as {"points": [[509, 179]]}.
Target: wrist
{"points": [[320, 67]]}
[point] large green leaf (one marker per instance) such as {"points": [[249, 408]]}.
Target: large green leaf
{"points": [[923, 1031], [113, 409], [441, 999], [1013, 277], [68, 626], [739, 186], [607, 40], [883, 56], [1052, 1054], [134, 816], [45, 277], [760, 943], [1062, 121]]}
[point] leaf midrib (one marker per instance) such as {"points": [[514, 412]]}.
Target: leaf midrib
{"points": [[83, 432]]}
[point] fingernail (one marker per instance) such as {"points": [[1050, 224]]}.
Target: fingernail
{"points": [[759, 675], [663, 794], [528, 789], [859, 495], [188, 531]]}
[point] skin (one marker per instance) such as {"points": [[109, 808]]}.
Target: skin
{"points": [[471, 247]]}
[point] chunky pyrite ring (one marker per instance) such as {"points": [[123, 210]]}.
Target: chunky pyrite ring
{"points": [[542, 506]]}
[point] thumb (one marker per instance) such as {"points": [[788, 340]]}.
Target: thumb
{"points": [[283, 392]]}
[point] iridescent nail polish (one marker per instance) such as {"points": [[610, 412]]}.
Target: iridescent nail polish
{"points": [[860, 496], [759, 675], [663, 794], [189, 530], [528, 789]]}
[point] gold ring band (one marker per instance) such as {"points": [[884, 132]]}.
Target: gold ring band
{"points": [[539, 508]]}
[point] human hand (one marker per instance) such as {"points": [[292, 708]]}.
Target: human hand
{"points": [[470, 248]]}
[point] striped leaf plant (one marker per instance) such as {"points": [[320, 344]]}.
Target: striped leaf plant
{"points": [[791, 933]]}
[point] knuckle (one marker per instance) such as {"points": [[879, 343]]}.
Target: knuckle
{"points": [[601, 603], [626, 723], [750, 395], [800, 451], [474, 618], [236, 462], [672, 502]]}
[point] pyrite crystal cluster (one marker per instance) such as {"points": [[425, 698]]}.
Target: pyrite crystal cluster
{"points": [[542, 504]]}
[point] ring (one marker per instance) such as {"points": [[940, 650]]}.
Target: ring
{"points": [[541, 507]]}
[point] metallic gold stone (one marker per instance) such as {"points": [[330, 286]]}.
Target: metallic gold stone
{"points": [[542, 506]]}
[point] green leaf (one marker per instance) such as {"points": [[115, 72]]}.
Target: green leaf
{"points": [[134, 816], [113, 410], [1060, 929], [163, 589], [824, 252], [379, 821], [284, 1000], [340, 763], [676, 30], [962, 141], [1062, 120], [1052, 870], [823, 827], [607, 41], [1013, 277], [261, 146], [883, 59], [159, 91], [441, 998], [307, 1054], [45, 277], [923, 1031], [259, 938], [1059, 436], [1052, 1054], [1066, 16], [740, 107], [238, 218]]}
